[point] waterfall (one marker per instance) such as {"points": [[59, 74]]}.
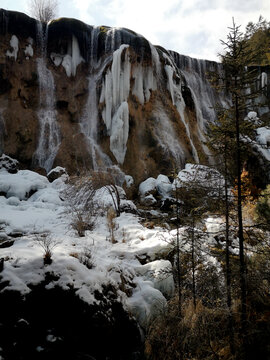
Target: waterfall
{"points": [[89, 120], [177, 100], [49, 132], [2, 132], [204, 96]]}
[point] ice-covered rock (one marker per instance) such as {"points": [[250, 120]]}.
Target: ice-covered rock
{"points": [[14, 43], [148, 187], [160, 273], [147, 190]]}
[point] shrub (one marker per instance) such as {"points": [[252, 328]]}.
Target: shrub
{"points": [[47, 243]]}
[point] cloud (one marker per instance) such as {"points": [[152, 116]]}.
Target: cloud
{"points": [[192, 27]]}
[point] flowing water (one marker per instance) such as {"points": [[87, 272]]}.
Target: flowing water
{"points": [[49, 131]]}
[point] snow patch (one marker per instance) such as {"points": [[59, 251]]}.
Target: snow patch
{"points": [[21, 184], [14, 43]]}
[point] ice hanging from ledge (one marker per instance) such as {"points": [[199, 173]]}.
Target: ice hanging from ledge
{"points": [[115, 93]]}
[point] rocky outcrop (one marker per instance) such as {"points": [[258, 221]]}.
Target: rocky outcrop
{"points": [[85, 97]]}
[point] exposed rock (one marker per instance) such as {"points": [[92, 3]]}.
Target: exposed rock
{"points": [[117, 100], [11, 165]]}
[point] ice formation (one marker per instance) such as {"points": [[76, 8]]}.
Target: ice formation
{"points": [[263, 140], [119, 132], [49, 133], [263, 79], [73, 58], [178, 101], [144, 82], [14, 43], [114, 94]]}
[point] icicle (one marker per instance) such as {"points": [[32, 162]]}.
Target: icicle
{"points": [[119, 132], [263, 79], [115, 93], [73, 58]]}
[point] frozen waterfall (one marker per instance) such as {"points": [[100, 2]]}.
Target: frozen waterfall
{"points": [[49, 132]]}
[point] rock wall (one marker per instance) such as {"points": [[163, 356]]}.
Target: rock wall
{"points": [[86, 97]]}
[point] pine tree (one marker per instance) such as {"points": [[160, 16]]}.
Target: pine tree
{"points": [[231, 138]]}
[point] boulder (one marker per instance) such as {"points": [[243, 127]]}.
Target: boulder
{"points": [[11, 165], [56, 173]]}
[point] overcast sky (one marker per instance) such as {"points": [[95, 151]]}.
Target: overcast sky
{"points": [[190, 27]]}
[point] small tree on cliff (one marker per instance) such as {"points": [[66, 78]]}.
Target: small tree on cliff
{"points": [[43, 10]]}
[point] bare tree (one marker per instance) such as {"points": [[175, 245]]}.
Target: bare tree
{"points": [[43, 10]]}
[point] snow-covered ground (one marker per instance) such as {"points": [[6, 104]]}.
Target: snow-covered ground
{"points": [[30, 206]]}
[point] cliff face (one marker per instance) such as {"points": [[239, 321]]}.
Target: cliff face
{"points": [[88, 97]]}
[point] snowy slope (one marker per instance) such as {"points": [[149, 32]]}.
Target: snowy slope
{"points": [[32, 206]]}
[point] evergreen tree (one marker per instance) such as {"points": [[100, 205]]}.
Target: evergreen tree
{"points": [[231, 137]]}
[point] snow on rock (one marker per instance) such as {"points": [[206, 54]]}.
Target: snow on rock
{"points": [[56, 58], [200, 175], [13, 201], [129, 180], [22, 184], [28, 51], [57, 172], [151, 186], [11, 165], [106, 197], [146, 303], [14, 43], [164, 186], [44, 211], [147, 187], [252, 116], [214, 225]]}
